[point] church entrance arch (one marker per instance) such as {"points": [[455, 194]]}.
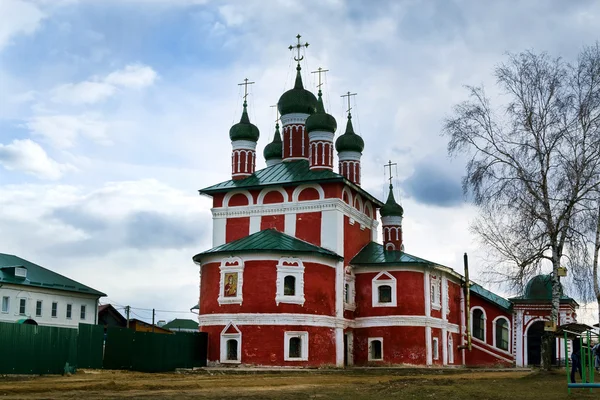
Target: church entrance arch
{"points": [[534, 344]]}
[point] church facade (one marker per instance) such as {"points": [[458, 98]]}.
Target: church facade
{"points": [[298, 277]]}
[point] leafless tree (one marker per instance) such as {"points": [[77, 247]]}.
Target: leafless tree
{"points": [[533, 163]]}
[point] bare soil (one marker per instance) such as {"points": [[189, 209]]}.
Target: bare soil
{"points": [[314, 384]]}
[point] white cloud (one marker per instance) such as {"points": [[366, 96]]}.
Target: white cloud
{"points": [[63, 130], [132, 76], [86, 92], [17, 17], [29, 157]]}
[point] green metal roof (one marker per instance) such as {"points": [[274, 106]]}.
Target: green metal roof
{"points": [[374, 253], [286, 173], [391, 208], [244, 130], [267, 241], [487, 295], [297, 99], [39, 277], [274, 149], [321, 121], [349, 141], [181, 324]]}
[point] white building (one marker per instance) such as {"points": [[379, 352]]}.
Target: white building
{"points": [[33, 294]]}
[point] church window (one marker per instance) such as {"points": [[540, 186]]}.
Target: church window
{"points": [[231, 344], [289, 286], [231, 282], [346, 293], [450, 349], [384, 290], [375, 349], [501, 333], [296, 346], [478, 324], [435, 348], [349, 289], [290, 281], [434, 293], [385, 293]]}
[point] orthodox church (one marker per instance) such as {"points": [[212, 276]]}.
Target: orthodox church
{"points": [[297, 276]]}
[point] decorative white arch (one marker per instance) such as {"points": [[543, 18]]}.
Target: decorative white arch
{"points": [[265, 191], [229, 195], [358, 200], [349, 193], [484, 323], [494, 332], [300, 188], [369, 209], [225, 337], [529, 325]]}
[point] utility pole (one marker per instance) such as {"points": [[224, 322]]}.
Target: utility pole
{"points": [[153, 320], [127, 314]]}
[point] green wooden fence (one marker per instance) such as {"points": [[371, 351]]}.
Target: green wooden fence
{"points": [[30, 349]]}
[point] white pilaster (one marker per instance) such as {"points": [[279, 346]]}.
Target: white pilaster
{"points": [[290, 224], [254, 224], [428, 345], [444, 346], [219, 231], [339, 347], [427, 290]]}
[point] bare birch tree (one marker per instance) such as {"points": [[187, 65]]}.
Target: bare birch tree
{"points": [[533, 162]]}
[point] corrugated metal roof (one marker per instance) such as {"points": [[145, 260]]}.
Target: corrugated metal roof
{"points": [[374, 253], [285, 173], [39, 277], [493, 297], [267, 240]]}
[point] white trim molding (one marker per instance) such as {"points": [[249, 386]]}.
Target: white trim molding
{"points": [[229, 195], [349, 289], [435, 348], [370, 348], [300, 188], [435, 292], [494, 333], [303, 336], [263, 193], [230, 266], [289, 266], [383, 279], [225, 337], [484, 340]]}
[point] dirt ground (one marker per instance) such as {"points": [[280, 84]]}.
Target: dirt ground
{"points": [[313, 384]]}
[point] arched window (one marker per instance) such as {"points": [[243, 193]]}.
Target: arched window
{"points": [[375, 349], [478, 324], [295, 348], [385, 293], [232, 349], [502, 334], [289, 286]]}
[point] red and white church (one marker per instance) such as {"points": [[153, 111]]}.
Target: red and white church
{"points": [[297, 277]]}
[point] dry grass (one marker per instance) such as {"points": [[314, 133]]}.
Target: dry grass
{"points": [[332, 384]]}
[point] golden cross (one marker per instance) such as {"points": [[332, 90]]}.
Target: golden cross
{"points": [[320, 71], [246, 83], [348, 96], [276, 112], [389, 165], [298, 47]]}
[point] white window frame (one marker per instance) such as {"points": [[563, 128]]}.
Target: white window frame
{"points": [[369, 356], [450, 349], [484, 324], [434, 292], [82, 310], [350, 280], [19, 306], [435, 348], [41, 308], [67, 311], [230, 336], [229, 265], [7, 298], [290, 266], [52, 306], [303, 336], [377, 282], [494, 333]]}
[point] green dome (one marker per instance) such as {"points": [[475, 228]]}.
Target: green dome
{"points": [[321, 121], [274, 150], [391, 208], [298, 99], [349, 141], [244, 130], [540, 288]]}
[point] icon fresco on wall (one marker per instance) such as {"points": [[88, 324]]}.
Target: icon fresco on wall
{"points": [[231, 280]]}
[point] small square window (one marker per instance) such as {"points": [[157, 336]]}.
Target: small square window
{"points": [[385, 293], [54, 309], [82, 312], [296, 346], [69, 311], [5, 304], [38, 308], [384, 290], [290, 281], [22, 306], [375, 349]]}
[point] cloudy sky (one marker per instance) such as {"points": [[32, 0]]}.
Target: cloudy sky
{"points": [[114, 113]]}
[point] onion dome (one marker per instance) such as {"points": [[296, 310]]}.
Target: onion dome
{"points": [[244, 130], [274, 150], [349, 141], [321, 121], [298, 99], [391, 208], [540, 288]]}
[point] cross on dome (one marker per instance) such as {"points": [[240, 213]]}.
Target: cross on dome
{"points": [[245, 84], [320, 71], [298, 47], [389, 165], [348, 95]]}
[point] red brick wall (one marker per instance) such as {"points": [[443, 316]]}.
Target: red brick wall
{"points": [[272, 221], [237, 228], [411, 300], [354, 239], [401, 345], [308, 227]]}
